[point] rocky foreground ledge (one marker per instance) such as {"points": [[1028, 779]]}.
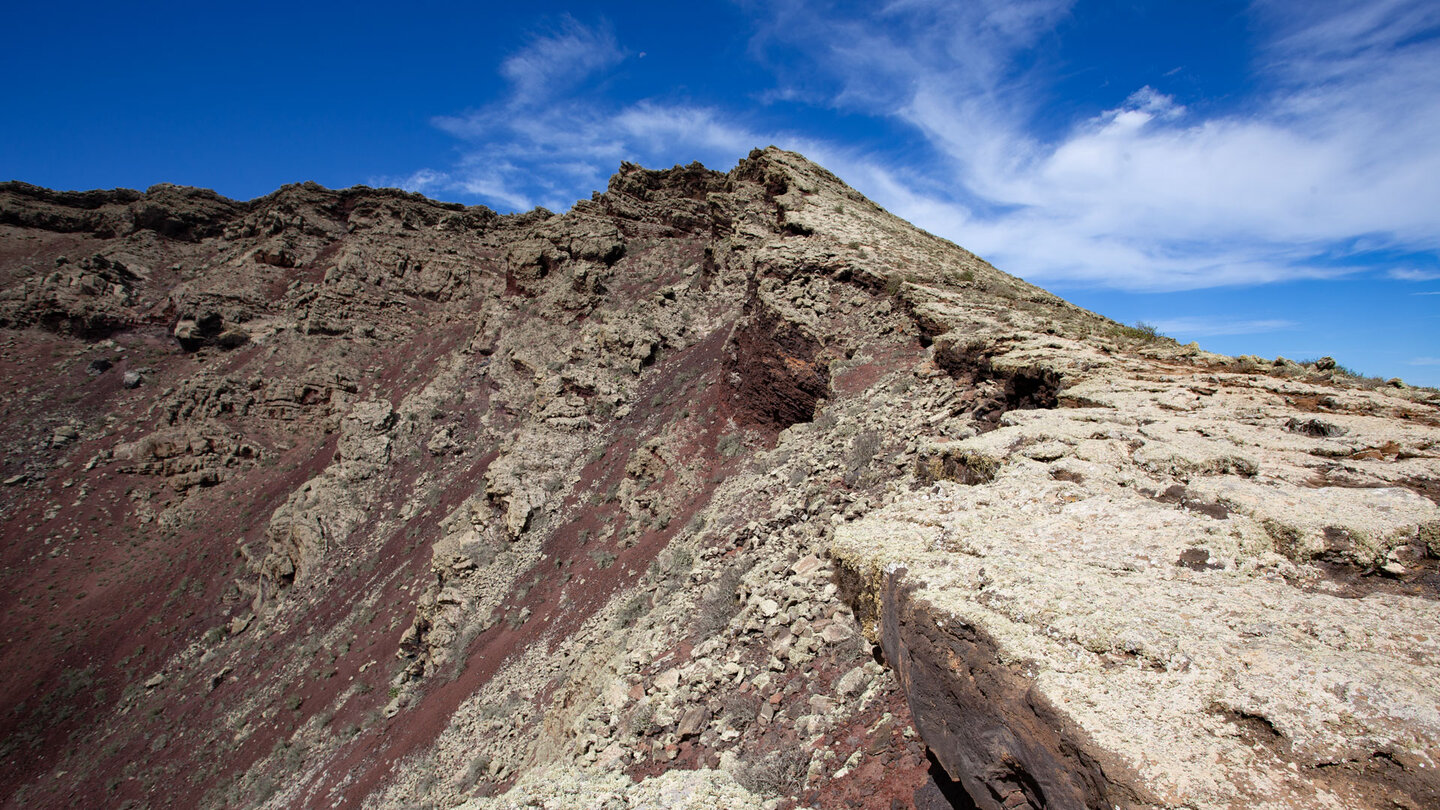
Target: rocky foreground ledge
{"points": [[1179, 591], [718, 490]]}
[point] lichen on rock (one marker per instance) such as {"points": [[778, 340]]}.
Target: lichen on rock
{"points": [[719, 489]]}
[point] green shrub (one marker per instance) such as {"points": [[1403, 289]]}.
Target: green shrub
{"points": [[642, 723], [1141, 331], [719, 604], [730, 445], [634, 607], [780, 773], [862, 451], [965, 467], [895, 282], [678, 562]]}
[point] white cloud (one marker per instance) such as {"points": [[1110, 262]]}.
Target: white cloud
{"points": [[1425, 361], [560, 60], [1408, 274], [1150, 194], [1213, 327], [561, 151], [656, 126], [493, 180], [1151, 103], [552, 139], [419, 180], [1335, 157]]}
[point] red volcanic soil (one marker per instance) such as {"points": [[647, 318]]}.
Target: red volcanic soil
{"points": [[687, 382], [98, 595], [96, 620], [135, 670]]}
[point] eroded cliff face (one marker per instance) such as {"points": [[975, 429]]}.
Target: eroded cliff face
{"points": [[718, 490], [1185, 588]]}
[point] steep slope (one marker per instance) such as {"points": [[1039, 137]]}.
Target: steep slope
{"points": [[721, 489]]}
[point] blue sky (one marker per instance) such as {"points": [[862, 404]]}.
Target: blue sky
{"points": [[1263, 177]]}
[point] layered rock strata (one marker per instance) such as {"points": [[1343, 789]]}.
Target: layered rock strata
{"points": [[719, 489]]}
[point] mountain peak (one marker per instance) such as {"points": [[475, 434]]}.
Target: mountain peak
{"points": [[721, 484]]}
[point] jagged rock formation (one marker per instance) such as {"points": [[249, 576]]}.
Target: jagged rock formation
{"points": [[719, 490]]}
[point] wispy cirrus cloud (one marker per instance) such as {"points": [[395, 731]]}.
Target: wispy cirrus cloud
{"points": [[422, 180], [551, 138], [560, 60], [1336, 148], [1407, 274], [528, 146], [1329, 159]]}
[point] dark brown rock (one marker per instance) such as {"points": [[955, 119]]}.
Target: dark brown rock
{"points": [[780, 373], [981, 721]]}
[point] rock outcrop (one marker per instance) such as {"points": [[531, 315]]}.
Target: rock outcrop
{"points": [[1158, 600], [720, 489]]}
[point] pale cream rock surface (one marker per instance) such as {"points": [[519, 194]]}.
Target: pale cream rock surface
{"points": [[1071, 560]]}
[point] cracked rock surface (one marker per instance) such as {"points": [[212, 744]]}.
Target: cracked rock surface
{"points": [[718, 490]]}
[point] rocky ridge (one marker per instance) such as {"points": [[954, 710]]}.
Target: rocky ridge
{"points": [[728, 489]]}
